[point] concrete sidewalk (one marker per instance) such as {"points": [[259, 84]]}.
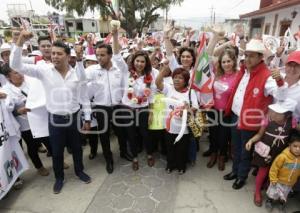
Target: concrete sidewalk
{"points": [[199, 190]]}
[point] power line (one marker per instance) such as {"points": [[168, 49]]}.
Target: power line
{"points": [[238, 4]]}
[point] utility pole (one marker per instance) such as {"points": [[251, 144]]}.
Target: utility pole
{"points": [[211, 15], [214, 18]]}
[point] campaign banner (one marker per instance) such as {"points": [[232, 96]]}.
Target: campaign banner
{"points": [[12, 160]]}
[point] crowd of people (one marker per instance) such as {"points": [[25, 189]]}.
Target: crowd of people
{"points": [[143, 92]]}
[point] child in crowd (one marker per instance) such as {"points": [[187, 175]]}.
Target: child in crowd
{"points": [[284, 173], [270, 141]]}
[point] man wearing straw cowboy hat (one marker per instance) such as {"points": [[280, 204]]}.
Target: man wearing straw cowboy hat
{"points": [[248, 104]]}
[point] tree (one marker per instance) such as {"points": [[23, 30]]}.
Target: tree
{"points": [[146, 9]]}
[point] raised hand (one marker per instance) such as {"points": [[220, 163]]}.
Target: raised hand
{"points": [[115, 25], [24, 36], [169, 30], [276, 74], [79, 52]]}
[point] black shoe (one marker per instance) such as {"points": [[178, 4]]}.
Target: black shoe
{"points": [[58, 185], [169, 170], [293, 194], [181, 172], [230, 176], [269, 205], [238, 183], [92, 156], [84, 177], [282, 207], [126, 156], [69, 150], [207, 153], [254, 172], [110, 167]]}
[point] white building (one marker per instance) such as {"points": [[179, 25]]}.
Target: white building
{"points": [[274, 17], [74, 26]]}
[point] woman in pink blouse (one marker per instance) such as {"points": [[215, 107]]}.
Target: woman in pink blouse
{"points": [[219, 133]]}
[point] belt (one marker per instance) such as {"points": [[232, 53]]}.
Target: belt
{"points": [[66, 117]]}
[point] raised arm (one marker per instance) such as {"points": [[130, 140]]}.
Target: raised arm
{"points": [[115, 44], [213, 41], [16, 62], [169, 32], [159, 81]]}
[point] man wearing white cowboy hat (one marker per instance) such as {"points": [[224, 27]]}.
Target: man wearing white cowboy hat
{"points": [[248, 103]]}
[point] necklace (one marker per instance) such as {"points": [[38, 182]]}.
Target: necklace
{"points": [[135, 99]]}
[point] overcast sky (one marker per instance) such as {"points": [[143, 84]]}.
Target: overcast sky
{"points": [[188, 9]]}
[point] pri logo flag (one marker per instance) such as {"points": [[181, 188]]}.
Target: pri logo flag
{"points": [[203, 77], [12, 160]]}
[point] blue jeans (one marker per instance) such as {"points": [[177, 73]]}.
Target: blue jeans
{"points": [[63, 130], [192, 155], [242, 158]]}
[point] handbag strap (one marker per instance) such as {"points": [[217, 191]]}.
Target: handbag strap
{"points": [[190, 99]]}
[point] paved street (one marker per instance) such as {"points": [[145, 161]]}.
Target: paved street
{"points": [[200, 190]]}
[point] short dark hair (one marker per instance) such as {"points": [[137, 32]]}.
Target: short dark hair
{"points": [[185, 74], [190, 50], [148, 67], [294, 136], [105, 46], [62, 45], [5, 69], [43, 38]]}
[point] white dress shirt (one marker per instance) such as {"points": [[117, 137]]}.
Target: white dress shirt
{"points": [[107, 86], [238, 99], [63, 95]]}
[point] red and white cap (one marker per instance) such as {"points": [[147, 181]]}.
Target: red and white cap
{"points": [[294, 57]]}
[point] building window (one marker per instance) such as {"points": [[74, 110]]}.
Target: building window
{"points": [[70, 24], [267, 29], [79, 26], [284, 25], [93, 24]]}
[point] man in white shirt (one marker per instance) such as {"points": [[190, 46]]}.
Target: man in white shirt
{"points": [[64, 89], [107, 87]]}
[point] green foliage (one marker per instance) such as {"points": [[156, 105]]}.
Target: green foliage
{"points": [[128, 8], [7, 33]]}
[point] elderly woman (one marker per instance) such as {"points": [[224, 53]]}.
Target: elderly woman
{"points": [[183, 99]]}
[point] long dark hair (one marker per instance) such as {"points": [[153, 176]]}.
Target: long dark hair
{"points": [[148, 66]]}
